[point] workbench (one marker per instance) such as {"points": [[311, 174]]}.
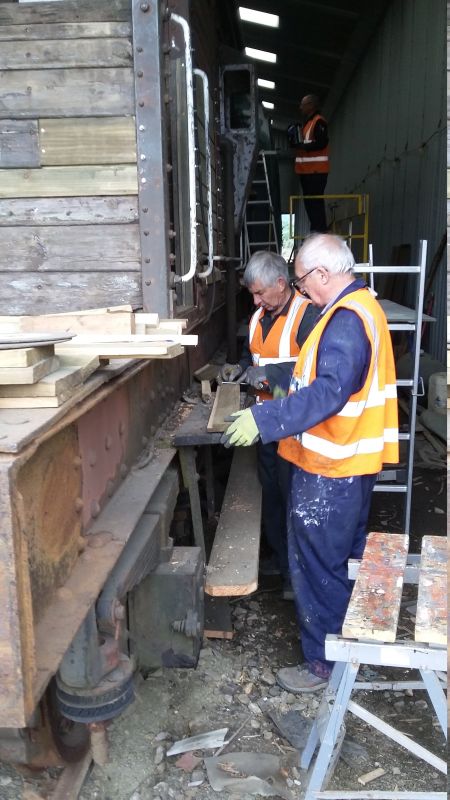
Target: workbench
{"points": [[369, 636]]}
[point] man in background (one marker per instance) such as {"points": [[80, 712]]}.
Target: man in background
{"points": [[310, 141]]}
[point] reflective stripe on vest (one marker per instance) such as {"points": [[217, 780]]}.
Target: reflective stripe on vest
{"points": [[314, 160], [284, 344]]}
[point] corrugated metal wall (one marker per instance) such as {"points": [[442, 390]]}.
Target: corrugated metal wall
{"points": [[388, 139]]}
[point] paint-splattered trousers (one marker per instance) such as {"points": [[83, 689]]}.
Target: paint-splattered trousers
{"points": [[327, 525]]}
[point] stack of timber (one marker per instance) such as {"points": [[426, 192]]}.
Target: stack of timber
{"points": [[47, 376]]}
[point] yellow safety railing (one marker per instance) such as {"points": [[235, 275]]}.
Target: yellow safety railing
{"points": [[345, 212]]}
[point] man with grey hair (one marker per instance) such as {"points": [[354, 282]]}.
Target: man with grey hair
{"points": [[336, 427], [277, 328]]}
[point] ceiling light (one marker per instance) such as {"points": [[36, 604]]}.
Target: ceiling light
{"points": [[267, 105], [261, 55], [266, 84], [260, 17]]}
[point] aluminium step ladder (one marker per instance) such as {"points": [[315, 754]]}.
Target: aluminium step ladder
{"points": [[259, 228]]}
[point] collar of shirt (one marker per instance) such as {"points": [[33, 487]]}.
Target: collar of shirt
{"points": [[359, 283]]}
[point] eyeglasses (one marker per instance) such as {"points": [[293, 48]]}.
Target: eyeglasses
{"points": [[296, 283]]}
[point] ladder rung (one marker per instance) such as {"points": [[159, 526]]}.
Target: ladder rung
{"points": [[254, 244], [259, 181], [264, 222], [258, 202], [399, 488], [404, 382], [404, 437]]}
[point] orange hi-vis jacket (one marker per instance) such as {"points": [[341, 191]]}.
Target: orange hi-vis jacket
{"points": [[364, 434], [280, 343], [313, 160]]}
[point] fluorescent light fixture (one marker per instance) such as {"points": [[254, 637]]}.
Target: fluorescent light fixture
{"points": [[266, 84], [266, 104], [261, 55], [259, 17]]}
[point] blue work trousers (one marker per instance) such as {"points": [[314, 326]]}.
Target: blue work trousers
{"points": [[326, 525]]}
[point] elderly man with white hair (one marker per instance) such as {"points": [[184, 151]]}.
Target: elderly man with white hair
{"points": [[337, 426]]}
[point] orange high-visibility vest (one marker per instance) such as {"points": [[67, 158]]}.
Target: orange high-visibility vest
{"points": [[364, 434], [280, 343], [314, 160]]}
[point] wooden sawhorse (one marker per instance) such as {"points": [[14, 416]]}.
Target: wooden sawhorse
{"points": [[369, 637]]}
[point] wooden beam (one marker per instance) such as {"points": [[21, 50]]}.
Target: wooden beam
{"points": [[64, 30], [63, 210], [69, 11], [19, 145], [122, 350], [227, 401], [233, 564], [68, 53], [24, 356], [56, 383], [27, 375], [118, 324]]}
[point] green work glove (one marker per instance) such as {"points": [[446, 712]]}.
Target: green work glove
{"points": [[243, 431], [278, 393]]}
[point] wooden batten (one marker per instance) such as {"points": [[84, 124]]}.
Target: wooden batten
{"points": [[64, 93], [68, 53], [24, 356], [68, 181], [226, 402], [69, 11], [75, 210], [28, 375], [102, 140]]}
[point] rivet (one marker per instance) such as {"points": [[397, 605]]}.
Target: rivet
{"points": [[92, 458], [143, 180], [139, 73], [144, 7], [79, 504], [143, 157], [148, 283], [141, 104], [108, 441], [142, 127], [139, 49], [77, 461], [121, 428], [147, 260], [146, 233], [145, 210], [110, 488]]}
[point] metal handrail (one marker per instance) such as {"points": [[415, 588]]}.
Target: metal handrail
{"points": [[204, 78]]}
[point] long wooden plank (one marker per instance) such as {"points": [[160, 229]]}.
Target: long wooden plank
{"points": [[83, 249], [100, 140], [56, 383], [64, 30], [69, 11], [233, 564], [24, 356], [68, 181], [27, 375], [226, 402], [83, 92], [374, 606], [67, 53], [137, 339], [19, 145], [431, 618], [68, 210], [35, 293], [122, 350], [117, 323], [71, 779]]}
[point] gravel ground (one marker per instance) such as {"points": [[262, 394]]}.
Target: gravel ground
{"points": [[233, 686]]}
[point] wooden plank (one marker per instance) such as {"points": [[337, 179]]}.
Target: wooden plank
{"points": [[374, 606], [208, 372], [136, 339], [27, 375], [64, 30], [25, 356], [100, 140], [67, 53], [117, 323], [71, 779], [153, 320], [227, 401], [68, 181], [218, 624], [73, 92], [69, 11], [431, 617], [19, 145], [122, 350], [90, 248], [58, 382], [68, 210], [34, 293], [233, 565]]}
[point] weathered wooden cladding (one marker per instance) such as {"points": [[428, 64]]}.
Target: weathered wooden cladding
{"points": [[68, 210], [65, 30], [97, 248], [66, 53], [19, 143], [84, 92], [98, 140], [69, 11], [39, 293], [68, 181]]}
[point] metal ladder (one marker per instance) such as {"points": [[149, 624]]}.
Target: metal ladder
{"points": [[259, 212]]}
